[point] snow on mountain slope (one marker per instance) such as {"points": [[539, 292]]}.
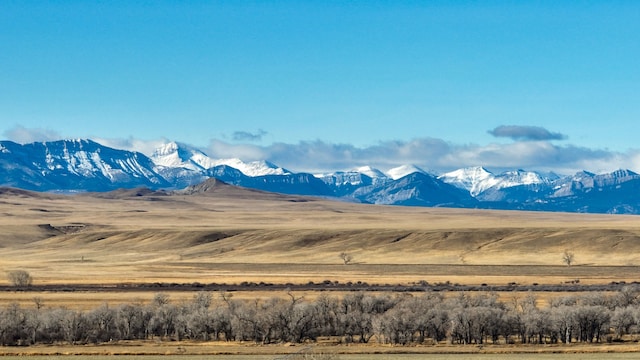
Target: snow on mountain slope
{"points": [[89, 159], [344, 183], [473, 179], [342, 178], [75, 164], [253, 168], [363, 175], [415, 189], [404, 170], [175, 155], [520, 177], [478, 180], [585, 181], [370, 172], [84, 165]]}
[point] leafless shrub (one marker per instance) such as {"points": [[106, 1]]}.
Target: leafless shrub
{"points": [[568, 257], [19, 278], [346, 258]]}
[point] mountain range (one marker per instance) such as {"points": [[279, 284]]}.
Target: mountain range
{"points": [[85, 165]]}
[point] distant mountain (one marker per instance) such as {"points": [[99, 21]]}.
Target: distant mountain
{"points": [[293, 184], [415, 189], [477, 180], [74, 165], [474, 179], [84, 165], [404, 170], [345, 183], [183, 165]]}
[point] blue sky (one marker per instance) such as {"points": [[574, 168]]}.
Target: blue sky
{"points": [[328, 85]]}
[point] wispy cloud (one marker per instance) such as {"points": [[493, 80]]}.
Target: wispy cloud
{"points": [[23, 135], [433, 154], [248, 136], [527, 133], [429, 153], [146, 147]]}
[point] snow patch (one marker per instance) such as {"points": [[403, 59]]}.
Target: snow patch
{"points": [[477, 179], [404, 170], [370, 172], [175, 155]]}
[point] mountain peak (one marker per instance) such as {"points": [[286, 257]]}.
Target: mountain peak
{"points": [[253, 168], [84, 165], [166, 149], [370, 172], [623, 173], [176, 155], [475, 179], [404, 170]]}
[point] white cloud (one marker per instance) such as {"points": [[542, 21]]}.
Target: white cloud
{"points": [[23, 135], [434, 154], [247, 152], [132, 144]]}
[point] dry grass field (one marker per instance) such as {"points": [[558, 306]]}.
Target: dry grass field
{"points": [[233, 351], [221, 234], [225, 234]]}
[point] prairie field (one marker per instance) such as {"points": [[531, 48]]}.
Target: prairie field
{"points": [[230, 235], [234, 352], [227, 235]]}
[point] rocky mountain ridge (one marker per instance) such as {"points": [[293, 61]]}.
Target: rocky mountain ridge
{"points": [[84, 165]]}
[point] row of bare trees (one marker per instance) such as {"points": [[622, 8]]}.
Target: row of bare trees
{"points": [[461, 318]]}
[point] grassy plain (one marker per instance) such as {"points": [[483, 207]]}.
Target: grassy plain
{"points": [[184, 351], [226, 234], [222, 234]]}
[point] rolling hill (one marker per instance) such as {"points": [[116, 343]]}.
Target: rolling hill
{"points": [[197, 233]]}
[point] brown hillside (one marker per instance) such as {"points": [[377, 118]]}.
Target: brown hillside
{"points": [[198, 233]]}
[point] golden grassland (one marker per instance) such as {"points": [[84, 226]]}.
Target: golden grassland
{"points": [[230, 235], [185, 348]]}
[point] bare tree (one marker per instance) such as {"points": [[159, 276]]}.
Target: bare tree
{"points": [[347, 258], [20, 278], [202, 300], [160, 299], [39, 302], [568, 257]]}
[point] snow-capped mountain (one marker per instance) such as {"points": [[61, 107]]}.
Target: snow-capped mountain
{"points": [[84, 165], [183, 165], [254, 168], [473, 179], [404, 170], [294, 184], [345, 178], [585, 181], [370, 172], [73, 165], [415, 189], [174, 155], [477, 179], [346, 182]]}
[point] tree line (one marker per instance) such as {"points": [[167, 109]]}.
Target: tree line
{"points": [[392, 318]]}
